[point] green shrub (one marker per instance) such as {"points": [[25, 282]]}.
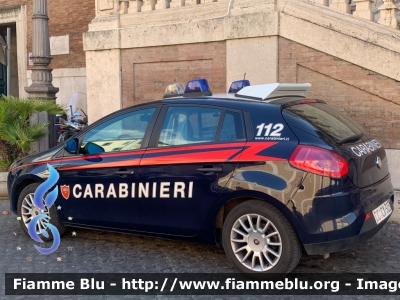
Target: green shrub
{"points": [[16, 132]]}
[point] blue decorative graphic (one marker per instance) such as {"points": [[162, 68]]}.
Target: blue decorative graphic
{"points": [[46, 186], [49, 200]]}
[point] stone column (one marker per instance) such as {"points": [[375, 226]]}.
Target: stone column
{"points": [[177, 3], [149, 5], [322, 2], [123, 6], [139, 4], [191, 2], [134, 6], [388, 12], [42, 87], [162, 4], [341, 5], [364, 9]]}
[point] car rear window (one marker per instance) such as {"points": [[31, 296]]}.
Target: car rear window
{"points": [[315, 117]]}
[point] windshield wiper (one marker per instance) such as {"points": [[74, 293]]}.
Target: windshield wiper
{"points": [[351, 138]]}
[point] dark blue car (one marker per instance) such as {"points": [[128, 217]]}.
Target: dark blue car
{"points": [[262, 171]]}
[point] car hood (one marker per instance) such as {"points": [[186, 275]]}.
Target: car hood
{"points": [[37, 157]]}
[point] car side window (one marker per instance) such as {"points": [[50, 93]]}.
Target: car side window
{"points": [[121, 133], [185, 125], [232, 127]]}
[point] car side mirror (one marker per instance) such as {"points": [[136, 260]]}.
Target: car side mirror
{"points": [[92, 148], [71, 146]]}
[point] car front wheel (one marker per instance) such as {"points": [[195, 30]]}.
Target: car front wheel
{"points": [[257, 238], [27, 210]]}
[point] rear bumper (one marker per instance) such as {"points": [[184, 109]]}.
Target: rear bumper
{"points": [[348, 227], [344, 244]]}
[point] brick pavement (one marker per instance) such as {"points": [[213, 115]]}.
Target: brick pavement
{"points": [[98, 251]]}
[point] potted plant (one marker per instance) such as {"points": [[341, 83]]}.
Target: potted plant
{"points": [[16, 132]]}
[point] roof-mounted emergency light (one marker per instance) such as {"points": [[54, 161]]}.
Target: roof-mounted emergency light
{"points": [[236, 86], [197, 87], [174, 90], [274, 90]]}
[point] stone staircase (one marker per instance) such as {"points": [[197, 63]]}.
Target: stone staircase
{"points": [[349, 51]]}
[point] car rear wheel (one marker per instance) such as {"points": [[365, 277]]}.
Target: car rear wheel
{"points": [[257, 238], [27, 210]]}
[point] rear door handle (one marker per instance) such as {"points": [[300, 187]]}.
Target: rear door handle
{"points": [[124, 172], [207, 170]]}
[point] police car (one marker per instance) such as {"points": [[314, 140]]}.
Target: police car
{"points": [[263, 171]]}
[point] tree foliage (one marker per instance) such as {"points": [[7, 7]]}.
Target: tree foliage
{"points": [[16, 131]]}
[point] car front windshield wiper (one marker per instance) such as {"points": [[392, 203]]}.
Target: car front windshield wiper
{"points": [[351, 138]]}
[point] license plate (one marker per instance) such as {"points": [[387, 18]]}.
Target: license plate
{"points": [[382, 211]]}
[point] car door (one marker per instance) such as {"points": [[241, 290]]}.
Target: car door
{"points": [[98, 184], [192, 154]]}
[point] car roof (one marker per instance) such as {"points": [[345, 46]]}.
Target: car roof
{"points": [[248, 96], [225, 100]]}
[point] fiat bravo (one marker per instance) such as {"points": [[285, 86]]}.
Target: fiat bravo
{"points": [[262, 171]]}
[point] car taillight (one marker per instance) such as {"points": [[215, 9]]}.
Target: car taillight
{"points": [[319, 161]]}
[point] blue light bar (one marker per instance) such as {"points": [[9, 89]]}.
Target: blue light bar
{"points": [[174, 90], [198, 87], [236, 86]]}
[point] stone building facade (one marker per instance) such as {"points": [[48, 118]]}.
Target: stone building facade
{"points": [[349, 53], [132, 49], [366, 96], [68, 19]]}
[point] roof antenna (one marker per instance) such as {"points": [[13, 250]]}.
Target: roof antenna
{"points": [[244, 77]]}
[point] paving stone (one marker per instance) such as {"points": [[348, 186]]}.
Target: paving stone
{"points": [[103, 252]]}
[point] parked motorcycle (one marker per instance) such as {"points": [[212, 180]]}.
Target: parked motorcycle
{"points": [[73, 120], [66, 128]]}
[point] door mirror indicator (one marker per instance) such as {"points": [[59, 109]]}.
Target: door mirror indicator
{"points": [[71, 146]]}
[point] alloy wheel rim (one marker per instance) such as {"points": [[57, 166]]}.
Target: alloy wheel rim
{"points": [[256, 242], [29, 210]]}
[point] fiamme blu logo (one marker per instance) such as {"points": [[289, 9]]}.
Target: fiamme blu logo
{"points": [[40, 201]]}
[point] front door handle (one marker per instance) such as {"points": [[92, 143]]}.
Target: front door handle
{"points": [[124, 173], [211, 169]]}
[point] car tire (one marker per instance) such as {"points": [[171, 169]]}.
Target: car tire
{"points": [[25, 201], [269, 245]]}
